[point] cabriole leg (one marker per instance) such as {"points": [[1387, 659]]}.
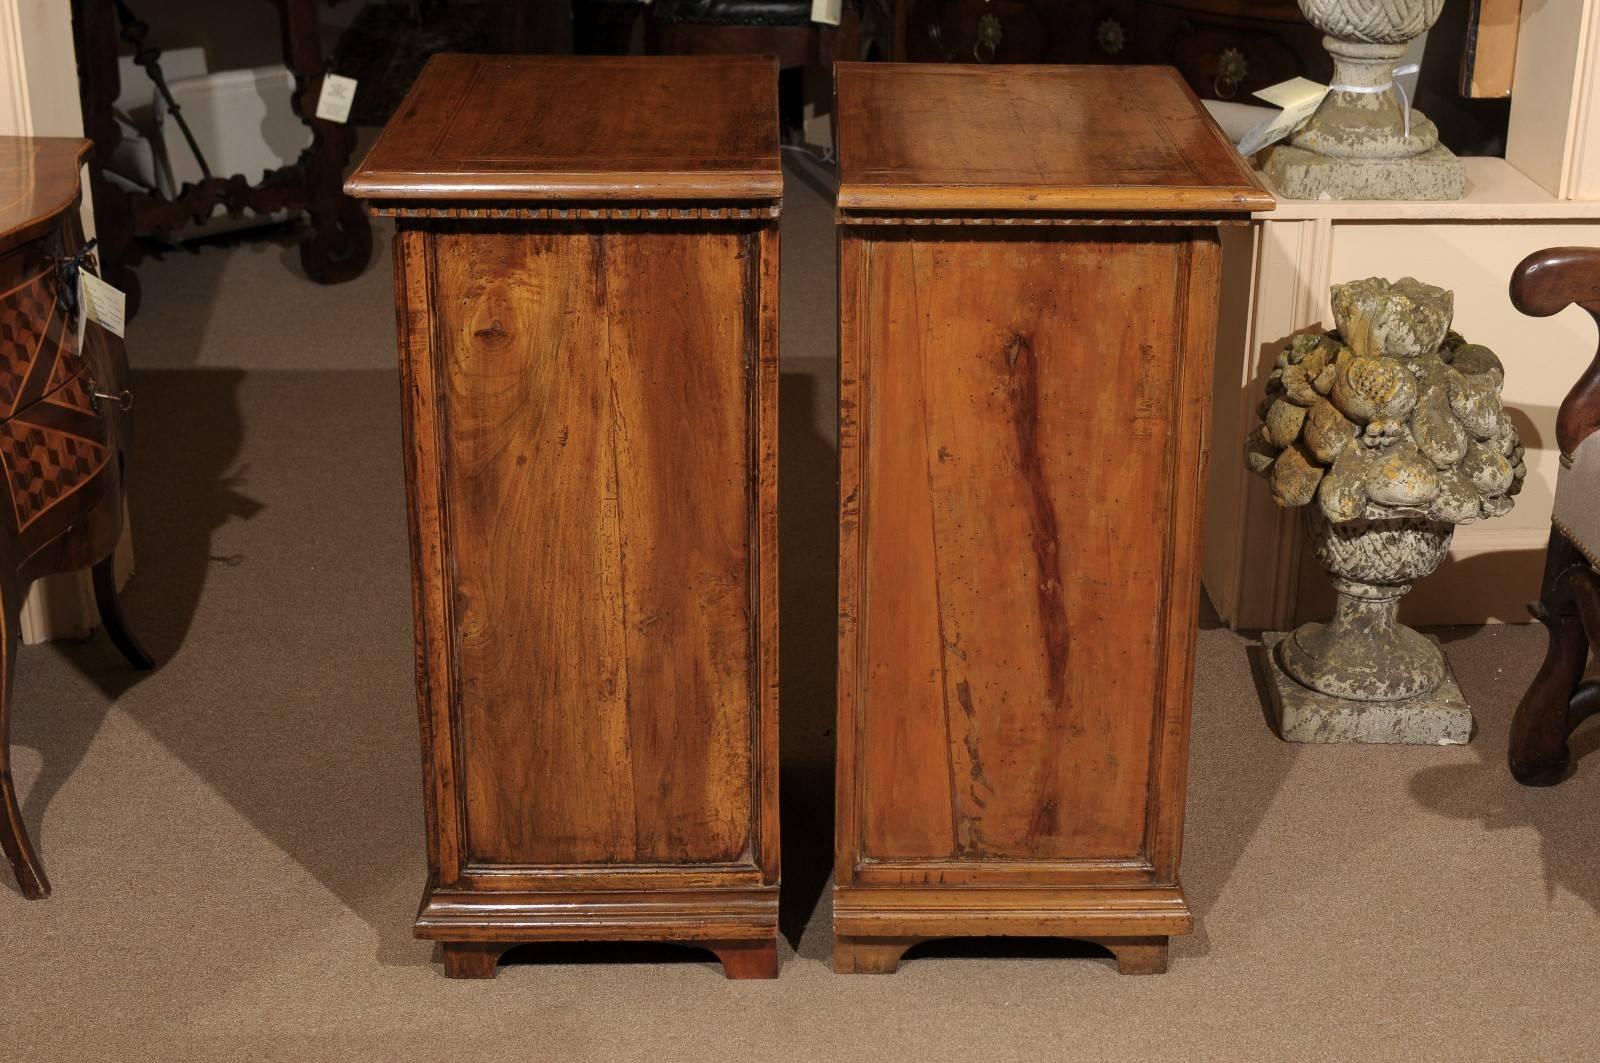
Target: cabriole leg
{"points": [[13, 834]]}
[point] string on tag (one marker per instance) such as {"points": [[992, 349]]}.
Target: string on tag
{"points": [[67, 277], [1369, 90]]}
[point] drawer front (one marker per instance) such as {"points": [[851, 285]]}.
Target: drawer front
{"points": [[54, 453], [55, 439], [39, 351], [1226, 57], [595, 395]]}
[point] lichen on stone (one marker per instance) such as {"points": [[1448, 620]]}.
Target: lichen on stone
{"points": [[1389, 414]]}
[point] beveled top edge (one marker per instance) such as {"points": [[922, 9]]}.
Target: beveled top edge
{"points": [[988, 199], [412, 160], [1238, 189], [619, 186], [38, 183]]}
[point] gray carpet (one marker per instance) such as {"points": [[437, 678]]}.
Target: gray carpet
{"points": [[236, 839]]}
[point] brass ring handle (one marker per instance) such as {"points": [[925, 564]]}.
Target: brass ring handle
{"points": [[1232, 69], [989, 37]]}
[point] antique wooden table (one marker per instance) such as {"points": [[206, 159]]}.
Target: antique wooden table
{"points": [[586, 272], [1028, 263], [63, 428]]}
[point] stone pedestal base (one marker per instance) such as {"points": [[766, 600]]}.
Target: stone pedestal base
{"points": [[1441, 718], [1300, 174]]}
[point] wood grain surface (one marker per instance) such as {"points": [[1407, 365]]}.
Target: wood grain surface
{"points": [[1023, 418], [38, 183], [591, 443], [516, 128], [1021, 458], [597, 428], [932, 136]]}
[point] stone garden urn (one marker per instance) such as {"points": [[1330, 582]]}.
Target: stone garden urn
{"points": [[1365, 141], [1390, 431]]}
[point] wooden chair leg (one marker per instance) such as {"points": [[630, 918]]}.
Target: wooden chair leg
{"points": [[13, 833], [1545, 717]]}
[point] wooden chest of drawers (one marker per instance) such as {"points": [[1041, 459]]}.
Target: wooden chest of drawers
{"points": [[1225, 49], [1028, 280], [586, 280]]}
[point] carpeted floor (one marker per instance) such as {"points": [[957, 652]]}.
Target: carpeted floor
{"points": [[236, 839]]}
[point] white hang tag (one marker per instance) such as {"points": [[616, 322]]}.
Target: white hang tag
{"points": [[338, 93], [1298, 97], [828, 12], [101, 303]]}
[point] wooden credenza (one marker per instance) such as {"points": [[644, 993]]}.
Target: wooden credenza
{"points": [[586, 279], [1028, 263]]}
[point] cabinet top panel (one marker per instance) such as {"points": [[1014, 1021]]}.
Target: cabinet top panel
{"points": [[1033, 138], [575, 128], [38, 182]]}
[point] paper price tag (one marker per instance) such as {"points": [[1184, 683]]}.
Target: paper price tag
{"points": [[338, 93], [1298, 97], [828, 12], [101, 303]]}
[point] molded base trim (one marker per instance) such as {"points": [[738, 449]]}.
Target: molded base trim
{"points": [[623, 915], [1087, 912], [874, 926], [869, 955], [477, 926]]}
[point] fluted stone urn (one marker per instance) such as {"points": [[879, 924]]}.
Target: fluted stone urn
{"points": [[1365, 141], [1390, 431]]}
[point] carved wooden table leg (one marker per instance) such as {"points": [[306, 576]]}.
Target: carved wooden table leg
{"points": [[13, 833], [339, 245], [109, 602]]}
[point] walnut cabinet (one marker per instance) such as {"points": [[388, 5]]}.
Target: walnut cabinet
{"points": [[586, 260], [1028, 262]]}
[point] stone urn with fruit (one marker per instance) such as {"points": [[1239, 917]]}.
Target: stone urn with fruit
{"points": [[1365, 140], [1390, 432]]}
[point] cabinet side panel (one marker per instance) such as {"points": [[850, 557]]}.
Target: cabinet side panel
{"points": [[424, 507], [762, 298], [1192, 452], [1021, 405], [683, 343], [596, 430]]}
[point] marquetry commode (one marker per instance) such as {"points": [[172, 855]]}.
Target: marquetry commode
{"points": [[1027, 295], [64, 428], [586, 273]]}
